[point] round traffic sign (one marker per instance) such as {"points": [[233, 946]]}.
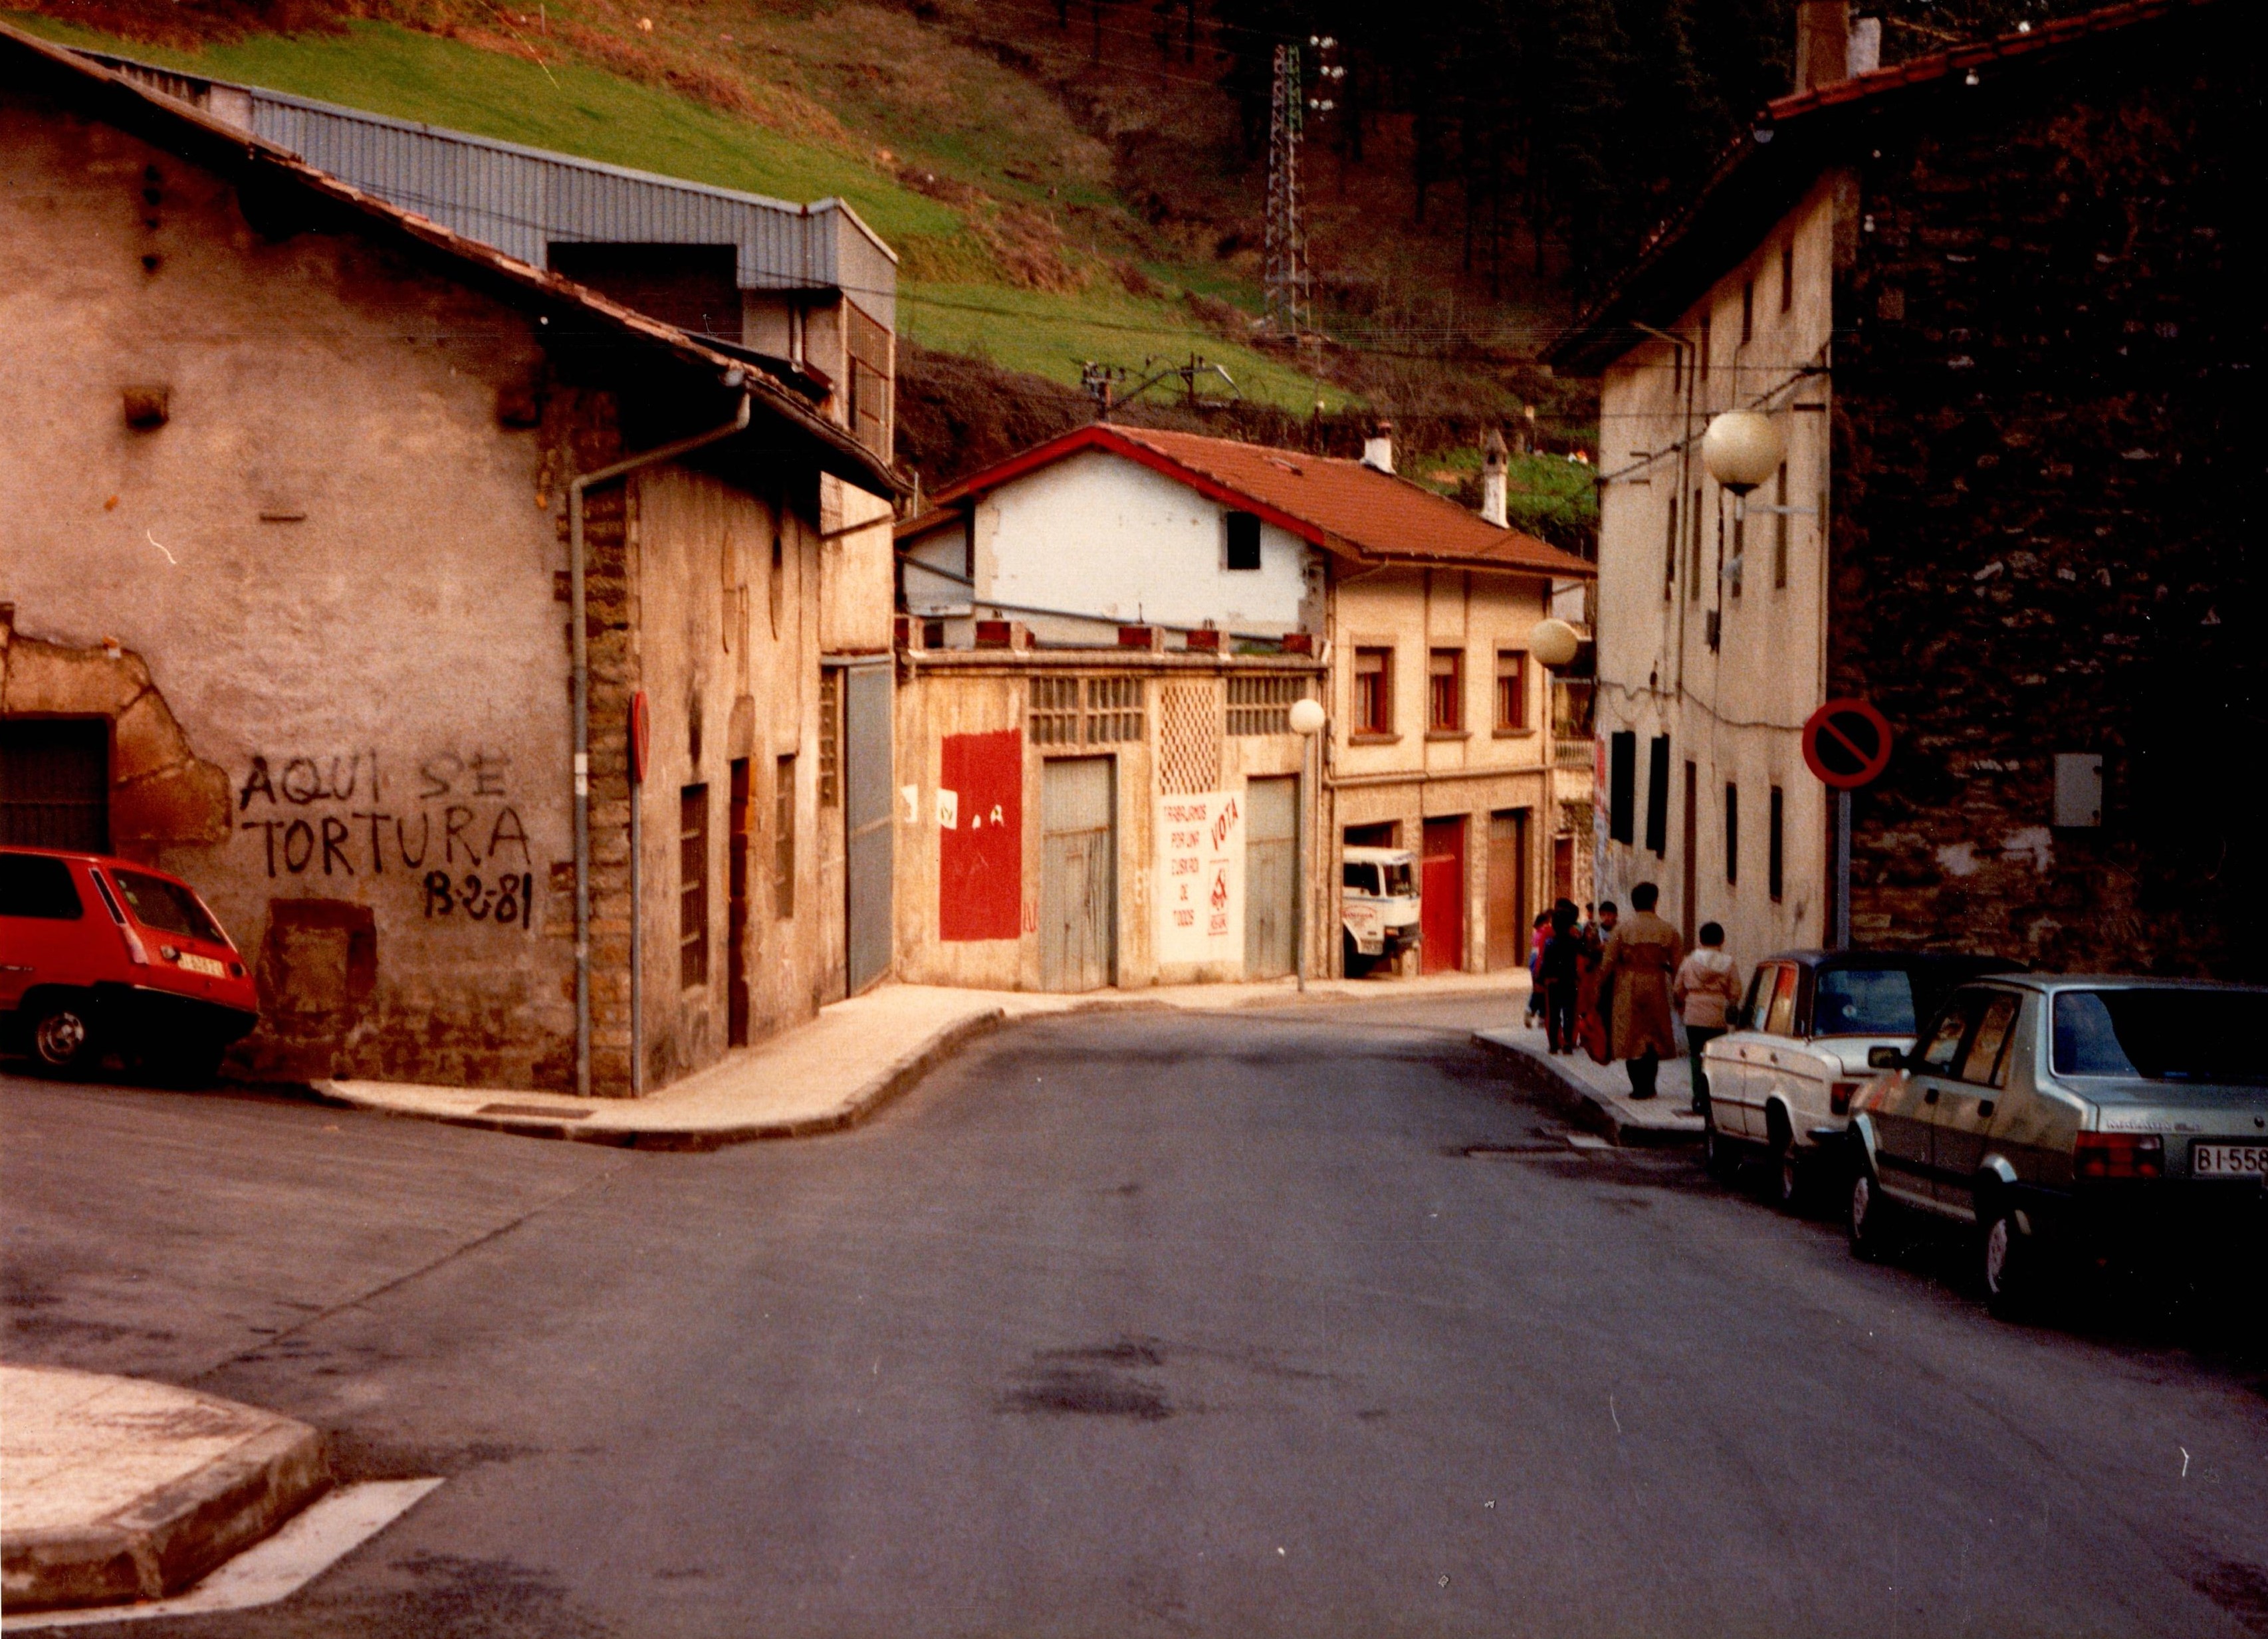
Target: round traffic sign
{"points": [[1846, 743]]}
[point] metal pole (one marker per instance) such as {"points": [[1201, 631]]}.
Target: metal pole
{"points": [[637, 935], [1842, 870], [1300, 860]]}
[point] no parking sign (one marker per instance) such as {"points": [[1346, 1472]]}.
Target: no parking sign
{"points": [[1846, 743]]}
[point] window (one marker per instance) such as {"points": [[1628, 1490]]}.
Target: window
{"points": [[830, 729], [1054, 716], [1748, 313], [1243, 540], [2162, 1035], [1263, 705], [1779, 1020], [1622, 786], [1701, 353], [784, 838], [1732, 834], [1693, 579], [1445, 691], [1788, 276], [868, 344], [40, 886], [1779, 529], [1373, 691], [693, 886], [1669, 555], [1114, 709], [1098, 710], [1740, 547], [1985, 1061], [54, 783], [164, 907], [1863, 1002], [1951, 1030], [1511, 690], [1657, 797], [1774, 860]]}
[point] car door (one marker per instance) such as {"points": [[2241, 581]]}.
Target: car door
{"points": [[1726, 1057], [1967, 1098], [45, 935], [1906, 1113], [1771, 1016]]}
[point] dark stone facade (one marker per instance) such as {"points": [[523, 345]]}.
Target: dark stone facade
{"points": [[2043, 504]]}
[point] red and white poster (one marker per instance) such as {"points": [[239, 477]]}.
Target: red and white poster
{"points": [[980, 836], [1201, 879]]}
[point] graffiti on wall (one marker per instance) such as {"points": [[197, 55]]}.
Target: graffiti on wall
{"points": [[450, 829]]}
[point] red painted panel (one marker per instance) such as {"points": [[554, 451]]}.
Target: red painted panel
{"points": [[1441, 896], [980, 852]]}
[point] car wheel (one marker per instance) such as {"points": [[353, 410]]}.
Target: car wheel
{"points": [[1720, 1157], [2011, 1267], [1788, 1178], [1871, 1218], [64, 1042]]}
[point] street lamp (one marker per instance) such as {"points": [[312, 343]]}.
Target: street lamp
{"points": [[1742, 449], [1553, 642], [1308, 721]]}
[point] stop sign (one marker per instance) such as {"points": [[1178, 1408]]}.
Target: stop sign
{"points": [[1846, 743]]}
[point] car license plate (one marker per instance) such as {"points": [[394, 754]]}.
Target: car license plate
{"points": [[2228, 1160], [205, 965]]}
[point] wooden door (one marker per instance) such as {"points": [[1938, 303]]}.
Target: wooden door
{"points": [[1079, 875], [1441, 903], [1271, 868], [736, 909], [1563, 867], [1507, 890]]}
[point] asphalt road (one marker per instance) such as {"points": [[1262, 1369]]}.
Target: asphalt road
{"points": [[1134, 1325]]}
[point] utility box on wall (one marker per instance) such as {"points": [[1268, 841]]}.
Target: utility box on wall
{"points": [[2078, 790]]}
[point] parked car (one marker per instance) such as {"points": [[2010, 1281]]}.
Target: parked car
{"points": [[2072, 1115], [1378, 905], [1782, 1079], [101, 955]]}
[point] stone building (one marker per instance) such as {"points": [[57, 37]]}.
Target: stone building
{"points": [[292, 515], [1199, 586], [1998, 302]]}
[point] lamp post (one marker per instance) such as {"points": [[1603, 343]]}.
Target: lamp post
{"points": [[1308, 721], [1554, 644]]}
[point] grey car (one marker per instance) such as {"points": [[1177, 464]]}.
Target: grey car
{"points": [[2070, 1114]]}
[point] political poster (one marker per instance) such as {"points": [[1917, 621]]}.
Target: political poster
{"points": [[1200, 884]]}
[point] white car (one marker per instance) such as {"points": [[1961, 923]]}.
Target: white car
{"points": [[1782, 1079]]}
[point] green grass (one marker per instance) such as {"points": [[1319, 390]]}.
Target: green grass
{"points": [[946, 300]]}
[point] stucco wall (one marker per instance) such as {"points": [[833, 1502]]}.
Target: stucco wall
{"points": [[336, 566], [1735, 710], [1095, 533]]}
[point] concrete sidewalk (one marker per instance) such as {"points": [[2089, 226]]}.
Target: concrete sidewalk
{"points": [[1665, 1118], [837, 1070], [118, 1489]]}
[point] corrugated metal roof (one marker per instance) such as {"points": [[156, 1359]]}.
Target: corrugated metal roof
{"points": [[521, 199]]}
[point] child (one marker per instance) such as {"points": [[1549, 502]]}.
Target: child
{"points": [[1536, 940], [1707, 984]]}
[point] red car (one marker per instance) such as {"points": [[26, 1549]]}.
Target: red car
{"points": [[101, 956]]}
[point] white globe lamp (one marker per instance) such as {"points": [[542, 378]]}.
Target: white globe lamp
{"points": [[1306, 716], [1553, 642], [1742, 449]]}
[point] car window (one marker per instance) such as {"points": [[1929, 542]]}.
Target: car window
{"points": [[2162, 1035], [165, 906], [1951, 1029], [1758, 984], [1780, 1021], [1863, 1002], [1362, 878], [1984, 1062], [33, 884], [1397, 881]]}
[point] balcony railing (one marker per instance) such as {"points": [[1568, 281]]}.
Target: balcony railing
{"points": [[1573, 699]]}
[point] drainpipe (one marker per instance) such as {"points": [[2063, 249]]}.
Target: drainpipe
{"points": [[581, 641]]}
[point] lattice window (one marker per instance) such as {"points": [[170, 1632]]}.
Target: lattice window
{"points": [[1188, 738], [1055, 711], [1263, 705], [1114, 709], [830, 731]]}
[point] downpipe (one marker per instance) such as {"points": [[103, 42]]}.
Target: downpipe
{"points": [[580, 649]]}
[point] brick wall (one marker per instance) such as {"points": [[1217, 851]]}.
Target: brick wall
{"points": [[2041, 507]]}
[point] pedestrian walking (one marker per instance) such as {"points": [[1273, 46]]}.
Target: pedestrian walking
{"points": [[1707, 984], [1595, 1004], [1562, 969], [1641, 956], [1538, 936]]}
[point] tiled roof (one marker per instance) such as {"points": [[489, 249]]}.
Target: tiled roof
{"points": [[1343, 506], [1765, 171]]}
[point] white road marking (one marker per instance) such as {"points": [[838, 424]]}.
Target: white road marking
{"points": [[308, 1544]]}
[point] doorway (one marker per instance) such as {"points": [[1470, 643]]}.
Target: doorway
{"points": [[1441, 897], [736, 909], [1271, 868], [867, 839], [1079, 873], [1692, 841], [1507, 890], [54, 783]]}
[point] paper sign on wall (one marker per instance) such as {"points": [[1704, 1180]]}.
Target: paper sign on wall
{"points": [[1200, 894]]}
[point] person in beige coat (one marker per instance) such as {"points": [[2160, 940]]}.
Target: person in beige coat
{"points": [[1640, 960]]}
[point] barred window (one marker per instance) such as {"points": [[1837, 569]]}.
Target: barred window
{"points": [[1055, 711], [1114, 709], [1263, 705], [830, 728]]}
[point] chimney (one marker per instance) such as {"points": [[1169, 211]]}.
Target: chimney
{"points": [[1377, 449], [1492, 479], [1822, 43]]}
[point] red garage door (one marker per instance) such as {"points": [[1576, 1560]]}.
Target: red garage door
{"points": [[1441, 907]]}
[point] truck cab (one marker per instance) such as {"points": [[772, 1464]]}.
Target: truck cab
{"points": [[1378, 910]]}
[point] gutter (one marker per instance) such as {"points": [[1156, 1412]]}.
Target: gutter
{"points": [[581, 648]]}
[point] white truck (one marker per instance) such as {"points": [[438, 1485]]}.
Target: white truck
{"points": [[1378, 905]]}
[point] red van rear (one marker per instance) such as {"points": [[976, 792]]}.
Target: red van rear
{"points": [[101, 956]]}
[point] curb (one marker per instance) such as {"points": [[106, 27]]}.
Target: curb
{"points": [[1599, 1111], [171, 1538]]}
